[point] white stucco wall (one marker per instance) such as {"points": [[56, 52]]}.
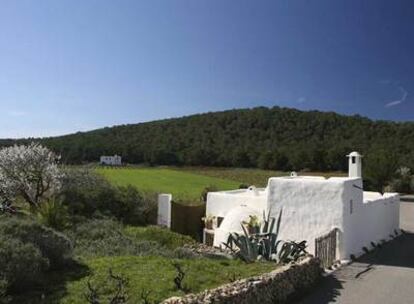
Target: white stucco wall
{"points": [[372, 220], [232, 223], [220, 203], [164, 210], [311, 207]]}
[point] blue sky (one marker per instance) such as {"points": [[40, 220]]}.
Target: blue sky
{"points": [[73, 65]]}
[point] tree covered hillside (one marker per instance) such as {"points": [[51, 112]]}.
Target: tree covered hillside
{"points": [[271, 138]]}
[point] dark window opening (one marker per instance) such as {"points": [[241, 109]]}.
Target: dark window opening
{"points": [[353, 159]]}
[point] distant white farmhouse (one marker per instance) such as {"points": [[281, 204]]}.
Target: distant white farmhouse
{"points": [[115, 160], [312, 207]]}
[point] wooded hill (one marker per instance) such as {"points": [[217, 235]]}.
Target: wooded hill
{"points": [[271, 138]]}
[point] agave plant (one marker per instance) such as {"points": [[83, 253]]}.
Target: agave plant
{"points": [[265, 244], [291, 252], [243, 246]]}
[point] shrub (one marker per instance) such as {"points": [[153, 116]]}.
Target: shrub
{"points": [[107, 238], [4, 298], [88, 194], [53, 214], [20, 264], [206, 190], [380, 169], [55, 247], [404, 181]]}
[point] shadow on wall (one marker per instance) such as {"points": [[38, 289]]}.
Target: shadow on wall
{"points": [[396, 253]]}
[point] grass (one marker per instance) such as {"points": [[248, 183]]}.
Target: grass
{"points": [[145, 273], [156, 274], [186, 183], [248, 176], [181, 184], [163, 236]]}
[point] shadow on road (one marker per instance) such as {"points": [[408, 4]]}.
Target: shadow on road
{"points": [[397, 253]]}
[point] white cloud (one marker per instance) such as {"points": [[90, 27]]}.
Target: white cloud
{"points": [[398, 101]]}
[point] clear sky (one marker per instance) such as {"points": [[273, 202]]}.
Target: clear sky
{"points": [[77, 65]]}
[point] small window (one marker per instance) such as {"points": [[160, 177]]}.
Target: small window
{"points": [[353, 159], [351, 206]]}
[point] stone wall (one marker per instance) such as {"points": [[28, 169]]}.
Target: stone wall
{"points": [[277, 286]]}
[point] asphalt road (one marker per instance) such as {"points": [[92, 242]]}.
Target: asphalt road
{"points": [[385, 275]]}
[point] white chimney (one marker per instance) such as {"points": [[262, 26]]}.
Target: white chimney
{"points": [[355, 164]]}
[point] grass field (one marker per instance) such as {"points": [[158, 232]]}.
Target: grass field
{"points": [[256, 177], [181, 184], [186, 183]]}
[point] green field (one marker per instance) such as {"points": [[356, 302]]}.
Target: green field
{"points": [[181, 184], [186, 183]]}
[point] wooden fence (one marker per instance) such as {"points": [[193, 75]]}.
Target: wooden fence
{"points": [[187, 219], [325, 248]]}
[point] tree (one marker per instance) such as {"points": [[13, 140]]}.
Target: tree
{"points": [[29, 171], [380, 169]]}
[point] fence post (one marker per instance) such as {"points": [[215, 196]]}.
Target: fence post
{"points": [[164, 210]]}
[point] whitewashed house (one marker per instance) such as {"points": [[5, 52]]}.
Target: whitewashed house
{"points": [[311, 208], [115, 160]]}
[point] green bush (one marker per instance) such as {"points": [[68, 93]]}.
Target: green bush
{"points": [[403, 181], [53, 214], [4, 298], [88, 194], [107, 238], [20, 264], [206, 190], [55, 247]]}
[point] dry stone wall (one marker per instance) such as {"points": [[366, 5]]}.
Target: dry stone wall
{"points": [[277, 286]]}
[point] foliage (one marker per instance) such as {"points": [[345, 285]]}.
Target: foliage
{"points": [[55, 247], [163, 236], [292, 251], [30, 172], [53, 214], [265, 244], [106, 237], [253, 222], [403, 181], [4, 297], [205, 192], [380, 169], [118, 286], [254, 246], [21, 263], [239, 138], [86, 193]]}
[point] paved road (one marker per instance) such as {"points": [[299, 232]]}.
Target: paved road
{"points": [[407, 216], [383, 276]]}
